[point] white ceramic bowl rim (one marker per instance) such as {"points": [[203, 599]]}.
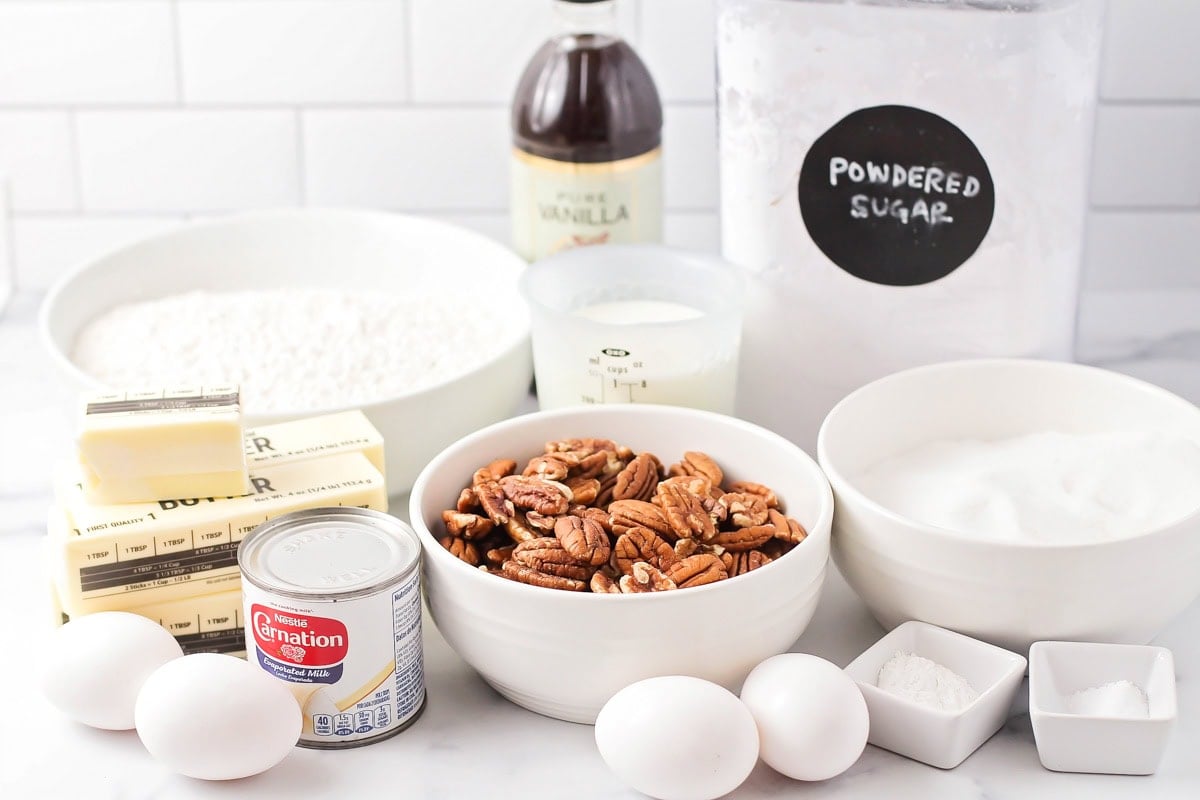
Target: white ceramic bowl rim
{"points": [[835, 476], [519, 336], [434, 549]]}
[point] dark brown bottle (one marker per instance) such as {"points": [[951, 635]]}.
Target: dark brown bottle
{"points": [[587, 135]]}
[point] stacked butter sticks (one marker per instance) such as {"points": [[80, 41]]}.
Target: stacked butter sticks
{"points": [[166, 483]]}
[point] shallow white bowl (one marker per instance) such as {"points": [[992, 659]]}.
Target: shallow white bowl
{"points": [[1111, 745], [565, 654], [939, 738], [340, 249], [1010, 594]]}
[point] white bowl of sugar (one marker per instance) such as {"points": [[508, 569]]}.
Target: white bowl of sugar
{"points": [[1017, 501], [415, 321]]}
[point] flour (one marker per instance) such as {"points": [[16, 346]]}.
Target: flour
{"points": [[926, 682], [1019, 84], [293, 350], [1052, 488], [1117, 699]]}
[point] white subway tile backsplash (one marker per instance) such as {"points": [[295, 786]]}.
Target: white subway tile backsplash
{"points": [[1130, 250], [293, 51], [690, 157], [46, 247], [37, 155], [1151, 50], [420, 159], [678, 44], [494, 225], [693, 231], [1147, 156], [86, 52], [467, 51], [187, 160]]}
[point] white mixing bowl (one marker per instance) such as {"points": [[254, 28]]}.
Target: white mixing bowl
{"points": [[337, 249], [1008, 593], [565, 654]]}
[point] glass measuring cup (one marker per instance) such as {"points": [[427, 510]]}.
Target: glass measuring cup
{"points": [[634, 324]]}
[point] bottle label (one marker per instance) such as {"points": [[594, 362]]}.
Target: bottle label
{"points": [[896, 195], [557, 205]]}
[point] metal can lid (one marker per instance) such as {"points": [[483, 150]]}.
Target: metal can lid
{"points": [[333, 552]]}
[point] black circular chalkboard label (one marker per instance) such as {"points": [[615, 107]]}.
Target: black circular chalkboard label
{"points": [[896, 195]]}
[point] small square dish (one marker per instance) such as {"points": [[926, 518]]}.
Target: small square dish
{"points": [[1086, 716], [927, 733]]}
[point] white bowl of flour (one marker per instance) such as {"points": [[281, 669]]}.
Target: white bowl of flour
{"points": [[415, 321], [1017, 501]]}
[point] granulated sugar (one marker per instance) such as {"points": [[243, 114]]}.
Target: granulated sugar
{"points": [[292, 349], [1117, 699]]}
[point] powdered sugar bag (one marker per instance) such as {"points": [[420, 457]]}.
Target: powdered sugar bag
{"points": [[905, 182]]}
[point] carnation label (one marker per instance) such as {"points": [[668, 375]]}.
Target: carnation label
{"points": [[896, 195], [333, 606], [297, 647]]}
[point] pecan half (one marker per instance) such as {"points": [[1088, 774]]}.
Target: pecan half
{"points": [[552, 467], [638, 479], [743, 539], [750, 487], [744, 510], [626, 514], [697, 570], [519, 572], [583, 490], [540, 521], [494, 471], [741, 563], [596, 515], [593, 465], [585, 540], [686, 547], [467, 501], [468, 526], [697, 463], [546, 554], [491, 498], [498, 555], [543, 496], [686, 514], [642, 544], [696, 484], [581, 447], [601, 583], [786, 528], [519, 529], [461, 549], [644, 578]]}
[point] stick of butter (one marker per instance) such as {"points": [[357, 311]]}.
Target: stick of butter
{"points": [[209, 623], [143, 446], [285, 442], [178, 548]]}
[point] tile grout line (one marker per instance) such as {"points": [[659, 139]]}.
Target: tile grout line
{"points": [[410, 84], [301, 170], [177, 53]]}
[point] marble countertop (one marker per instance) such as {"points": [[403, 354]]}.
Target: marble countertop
{"points": [[472, 743]]}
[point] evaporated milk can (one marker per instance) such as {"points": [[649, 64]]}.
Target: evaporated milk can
{"points": [[332, 602]]}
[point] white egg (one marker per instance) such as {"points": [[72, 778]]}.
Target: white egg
{"points": [[94, 666], [677, 738], [812, 718], [217, 717]]}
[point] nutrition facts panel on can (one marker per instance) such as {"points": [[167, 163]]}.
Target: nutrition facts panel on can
{"points": [[410, 668]]}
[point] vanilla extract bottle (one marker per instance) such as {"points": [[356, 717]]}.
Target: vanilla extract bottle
{"points": [[587, 139]]}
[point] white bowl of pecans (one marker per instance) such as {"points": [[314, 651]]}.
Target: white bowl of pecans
{"points": [[570, 553]]}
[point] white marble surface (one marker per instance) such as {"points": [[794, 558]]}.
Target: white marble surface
{"points": [[471, 743]]}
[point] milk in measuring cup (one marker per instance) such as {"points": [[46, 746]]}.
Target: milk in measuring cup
{"points": [[631, 357]]}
